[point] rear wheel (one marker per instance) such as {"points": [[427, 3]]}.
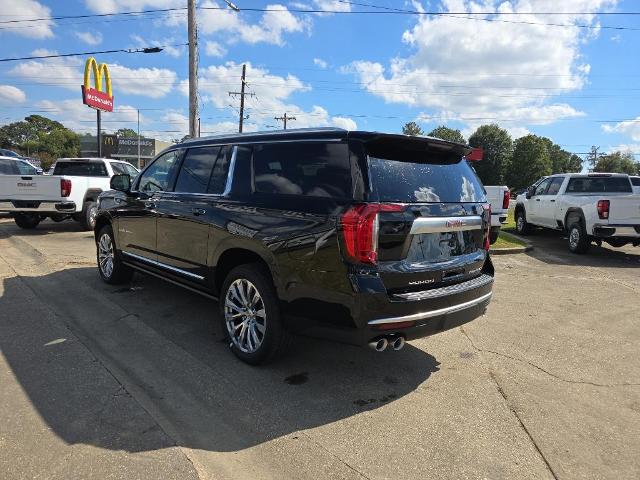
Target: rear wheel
{"points": [[493, 236], [110, 265], [522, 226], [250, 313], [579, 241], [88, 215], [28, 221]]}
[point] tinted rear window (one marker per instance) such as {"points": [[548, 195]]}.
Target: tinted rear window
{"points": [[8, 167], [635, 181], [599, 185], [310, 169], [81, 169], [423, 177]]}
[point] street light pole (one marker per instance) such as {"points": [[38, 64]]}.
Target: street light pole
{"points": [[138, 138], [99, 118]]}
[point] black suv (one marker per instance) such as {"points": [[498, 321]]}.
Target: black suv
{"points": [[360, 237]]}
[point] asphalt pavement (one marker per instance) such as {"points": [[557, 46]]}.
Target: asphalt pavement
{"points": [[137, 382]]}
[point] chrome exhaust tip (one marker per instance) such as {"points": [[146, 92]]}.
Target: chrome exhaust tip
{"points": [[398, 343], [379, 345]]}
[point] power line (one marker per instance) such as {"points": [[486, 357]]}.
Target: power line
{"points": [[154, 49]]}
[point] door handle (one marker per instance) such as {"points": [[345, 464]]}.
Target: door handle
{"points": [[552, 200], [149, 205], [198, 211], [537, 199]]}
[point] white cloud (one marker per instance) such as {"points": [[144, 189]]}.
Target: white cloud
{"points": [[616, 38], [214, 49], [628, 127], [320, 63], [625, 147], [68, 73], [465, 68], [10, 95], [110, 6], [16, 10], [80, 118], [272, 98], [90, 38]]}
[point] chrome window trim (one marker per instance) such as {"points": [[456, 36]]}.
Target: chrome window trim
{"points": [[477, 282], [432, 313], [163, 265], [230, 172], [445, 224]]}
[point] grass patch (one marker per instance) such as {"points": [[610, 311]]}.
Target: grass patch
{"points": [[510, 224], [506, 240]]}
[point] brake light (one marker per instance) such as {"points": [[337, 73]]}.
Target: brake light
{"points": [[360, 230], [603, 209], [65, 187], [487, 232], [505, 200]]}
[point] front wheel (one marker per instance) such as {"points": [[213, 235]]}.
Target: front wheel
{"points": [[522, 226], [579, 241], [88, 215], [250, 313], [28, 221], [110, 266]]}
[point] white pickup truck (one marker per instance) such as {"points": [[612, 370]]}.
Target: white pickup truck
{"points": [[599, 207], [70, 192], [498, 197]]}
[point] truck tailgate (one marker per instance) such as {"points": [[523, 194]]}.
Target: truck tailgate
{"points": [[39, 187], [625, 210]]}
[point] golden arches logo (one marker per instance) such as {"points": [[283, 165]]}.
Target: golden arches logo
{"points": [[96, 97]]}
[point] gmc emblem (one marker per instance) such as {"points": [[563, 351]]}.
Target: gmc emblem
{"points": [[455, 223]]}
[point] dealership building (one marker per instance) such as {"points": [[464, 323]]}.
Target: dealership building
{"points": [[122, 148]]}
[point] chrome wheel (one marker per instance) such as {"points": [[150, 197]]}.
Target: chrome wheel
{"points": [[105, 255], [245, 315], [520, 223], [93, 212], [574, 237]]}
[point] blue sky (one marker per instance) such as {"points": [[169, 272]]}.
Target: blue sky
{"points": [[576, 85]]}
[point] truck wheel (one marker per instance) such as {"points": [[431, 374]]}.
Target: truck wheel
{"points": [[250, 313], [493, 236], [110, 265], [522, 227], [28, 221], [88, 215], [579, 241]]}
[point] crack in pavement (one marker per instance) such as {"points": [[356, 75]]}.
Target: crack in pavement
{"points": [[557, 377]]}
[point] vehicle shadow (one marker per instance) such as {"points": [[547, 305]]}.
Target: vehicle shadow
{"points": [[165, 345], [551, 247], [45, 227]]}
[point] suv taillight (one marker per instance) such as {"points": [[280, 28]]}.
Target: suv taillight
{"points": [[65, 187], [487, 232], [505, 200], [603, 209], [360, 230]]}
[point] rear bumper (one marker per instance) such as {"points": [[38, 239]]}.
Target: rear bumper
{"points": [[497, 219], [28, 206], [608, 231]]}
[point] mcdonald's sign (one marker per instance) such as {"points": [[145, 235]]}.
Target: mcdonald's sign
{"points": [[95, 97]]}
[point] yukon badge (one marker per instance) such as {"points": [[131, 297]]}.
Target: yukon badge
{"points": [[455, 223], [421, 282]]}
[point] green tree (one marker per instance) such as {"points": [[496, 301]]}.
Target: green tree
{"points": [[497, 149], [446, 133], [561, 160], [126, 133], [412, 129], [530, 161], [618, 162]]}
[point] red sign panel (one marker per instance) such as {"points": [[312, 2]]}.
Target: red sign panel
{"points": [[97, 99], [475, 155]]}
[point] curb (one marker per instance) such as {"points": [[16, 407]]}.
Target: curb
{"points": [[507, 251]]}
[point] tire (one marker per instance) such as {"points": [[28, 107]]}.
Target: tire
{"points": [[522, 227], [28, 221], [493, 236], [579, 241], [255, 330], [117, 273], [88, 215]]}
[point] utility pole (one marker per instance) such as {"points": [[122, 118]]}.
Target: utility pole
{"points": [[192, 31], [284, 119], [593, 157], [138, 165], [242, 94], [98, 113]]}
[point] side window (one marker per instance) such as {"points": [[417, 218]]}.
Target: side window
{"points": [[131, 170], [26, 169], [218, 180], [118, 168], [540, 189], [8, 167], [160, 173], [310, 169], [196, 169], [554, 188]]}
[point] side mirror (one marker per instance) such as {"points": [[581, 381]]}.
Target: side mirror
{"points": [[530, 192], [121, 182]]}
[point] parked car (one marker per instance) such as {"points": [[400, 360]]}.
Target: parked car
{"points": [[17, 166], [9, 153], [499, 198], [635, 181], [594, 206], [71, 192], [359, 237]]}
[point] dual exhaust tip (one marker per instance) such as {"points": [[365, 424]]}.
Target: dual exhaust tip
{"points": [[382, 343]]}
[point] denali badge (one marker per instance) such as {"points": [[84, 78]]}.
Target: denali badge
{"points": [[421, 282], [455, 223]]}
